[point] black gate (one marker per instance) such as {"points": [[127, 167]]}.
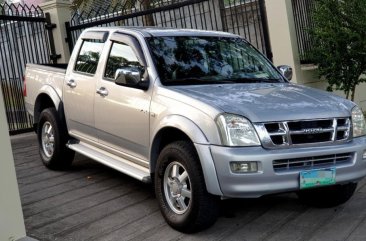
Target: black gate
{"points": [[25, 37], [302, 10], [244, 17]]}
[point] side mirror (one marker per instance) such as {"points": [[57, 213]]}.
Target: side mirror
{"points": [[131, 77], [285, 71]]}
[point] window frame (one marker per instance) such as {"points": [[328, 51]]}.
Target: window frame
{"points": [[109, 54], [101, 36], [281, 79], [134, 44]]}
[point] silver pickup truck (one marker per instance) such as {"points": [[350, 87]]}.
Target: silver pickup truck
{"points": [[200, 114]]}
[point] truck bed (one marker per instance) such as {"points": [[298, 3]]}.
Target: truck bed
{"points": [[43, 78], [61, 68]]}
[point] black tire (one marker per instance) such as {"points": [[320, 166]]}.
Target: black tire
{"points": [[61, 157], [202, 208], [330, 196]]}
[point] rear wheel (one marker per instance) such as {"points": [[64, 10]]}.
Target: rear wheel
{"points": [[328, 196], [52, 138], [181, 191]]}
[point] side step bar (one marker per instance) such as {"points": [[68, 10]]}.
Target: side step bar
{"points": [[113, 161]]}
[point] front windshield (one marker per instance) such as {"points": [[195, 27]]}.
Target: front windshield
{"points": [[189, 60]]}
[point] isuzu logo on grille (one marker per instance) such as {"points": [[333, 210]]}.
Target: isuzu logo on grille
{"points": [[313, 130]]}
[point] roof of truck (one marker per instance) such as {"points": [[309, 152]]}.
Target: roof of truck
{"points": [[158, 31]]}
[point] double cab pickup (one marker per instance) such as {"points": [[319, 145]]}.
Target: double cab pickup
{"points": [[201, 115]]}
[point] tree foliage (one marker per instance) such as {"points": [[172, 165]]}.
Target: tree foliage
{"points": [[339, 43]]}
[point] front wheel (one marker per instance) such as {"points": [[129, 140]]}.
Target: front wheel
{"points": [[328, 196], [181, 191], [52, 138]]}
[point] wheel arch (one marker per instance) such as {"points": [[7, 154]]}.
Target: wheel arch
{"points": [[47, 98], [174, 128]]}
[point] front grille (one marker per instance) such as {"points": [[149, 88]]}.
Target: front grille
{"points": [[312, 162], [305, 132]]}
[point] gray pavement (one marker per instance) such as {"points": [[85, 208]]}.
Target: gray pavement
{"points": [[94, 202]]}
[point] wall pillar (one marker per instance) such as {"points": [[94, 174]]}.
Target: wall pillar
{"points": [[282, 34], [60, 13], [11, 215]]}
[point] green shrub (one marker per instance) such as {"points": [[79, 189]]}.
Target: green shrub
{"points": [[339, 50]]}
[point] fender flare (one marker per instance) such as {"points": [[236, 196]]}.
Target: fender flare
{"points": [[52, 94], [201, 144], [183, 124]]}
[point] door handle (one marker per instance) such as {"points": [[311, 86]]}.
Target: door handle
{"points": [[71, 83], [102, 91]]}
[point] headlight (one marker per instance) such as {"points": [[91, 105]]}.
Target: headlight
{"points": [[358, 122], [236, 131]]}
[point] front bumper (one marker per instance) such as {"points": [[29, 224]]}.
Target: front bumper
{"points": [[267, 181]]}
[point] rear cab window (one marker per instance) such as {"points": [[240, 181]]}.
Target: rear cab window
{"points": [[90, 52]]}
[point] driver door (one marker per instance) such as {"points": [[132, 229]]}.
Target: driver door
{"points": [[121, 108]]}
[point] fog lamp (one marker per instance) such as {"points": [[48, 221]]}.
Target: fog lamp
{"points": [[364, 154], [244, 167]]}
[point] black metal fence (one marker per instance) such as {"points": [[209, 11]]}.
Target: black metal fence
{"points": [[244, 17], [24, 38], [303, 23], [247, 18]]}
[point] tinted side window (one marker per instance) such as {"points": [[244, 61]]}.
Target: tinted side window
{"points": [[121, 57], [88, 58]]}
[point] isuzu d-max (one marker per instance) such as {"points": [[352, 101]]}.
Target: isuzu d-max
{"points": [[200, 114]]}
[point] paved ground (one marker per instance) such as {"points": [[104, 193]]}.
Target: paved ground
{"points": [[94, 202]]}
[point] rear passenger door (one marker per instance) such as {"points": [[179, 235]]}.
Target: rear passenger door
{"points": [[80, 85], [122, 110]]}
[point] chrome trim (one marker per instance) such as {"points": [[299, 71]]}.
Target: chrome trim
{"points": [[334, 126], [286, 71], [284, 165], [288, 140], [286, 133], [312, 131]]}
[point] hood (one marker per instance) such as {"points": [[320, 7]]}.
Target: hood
{"points": [[265, 102]]}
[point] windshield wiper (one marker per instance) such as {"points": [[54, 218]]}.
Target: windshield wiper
{"points": [[255, 80], [200, 81], [196, 81]]}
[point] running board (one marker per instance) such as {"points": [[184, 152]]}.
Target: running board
{"points": [[120, 164]]}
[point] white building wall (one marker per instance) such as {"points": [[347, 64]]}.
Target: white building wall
{"points": [[11, 216]]}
